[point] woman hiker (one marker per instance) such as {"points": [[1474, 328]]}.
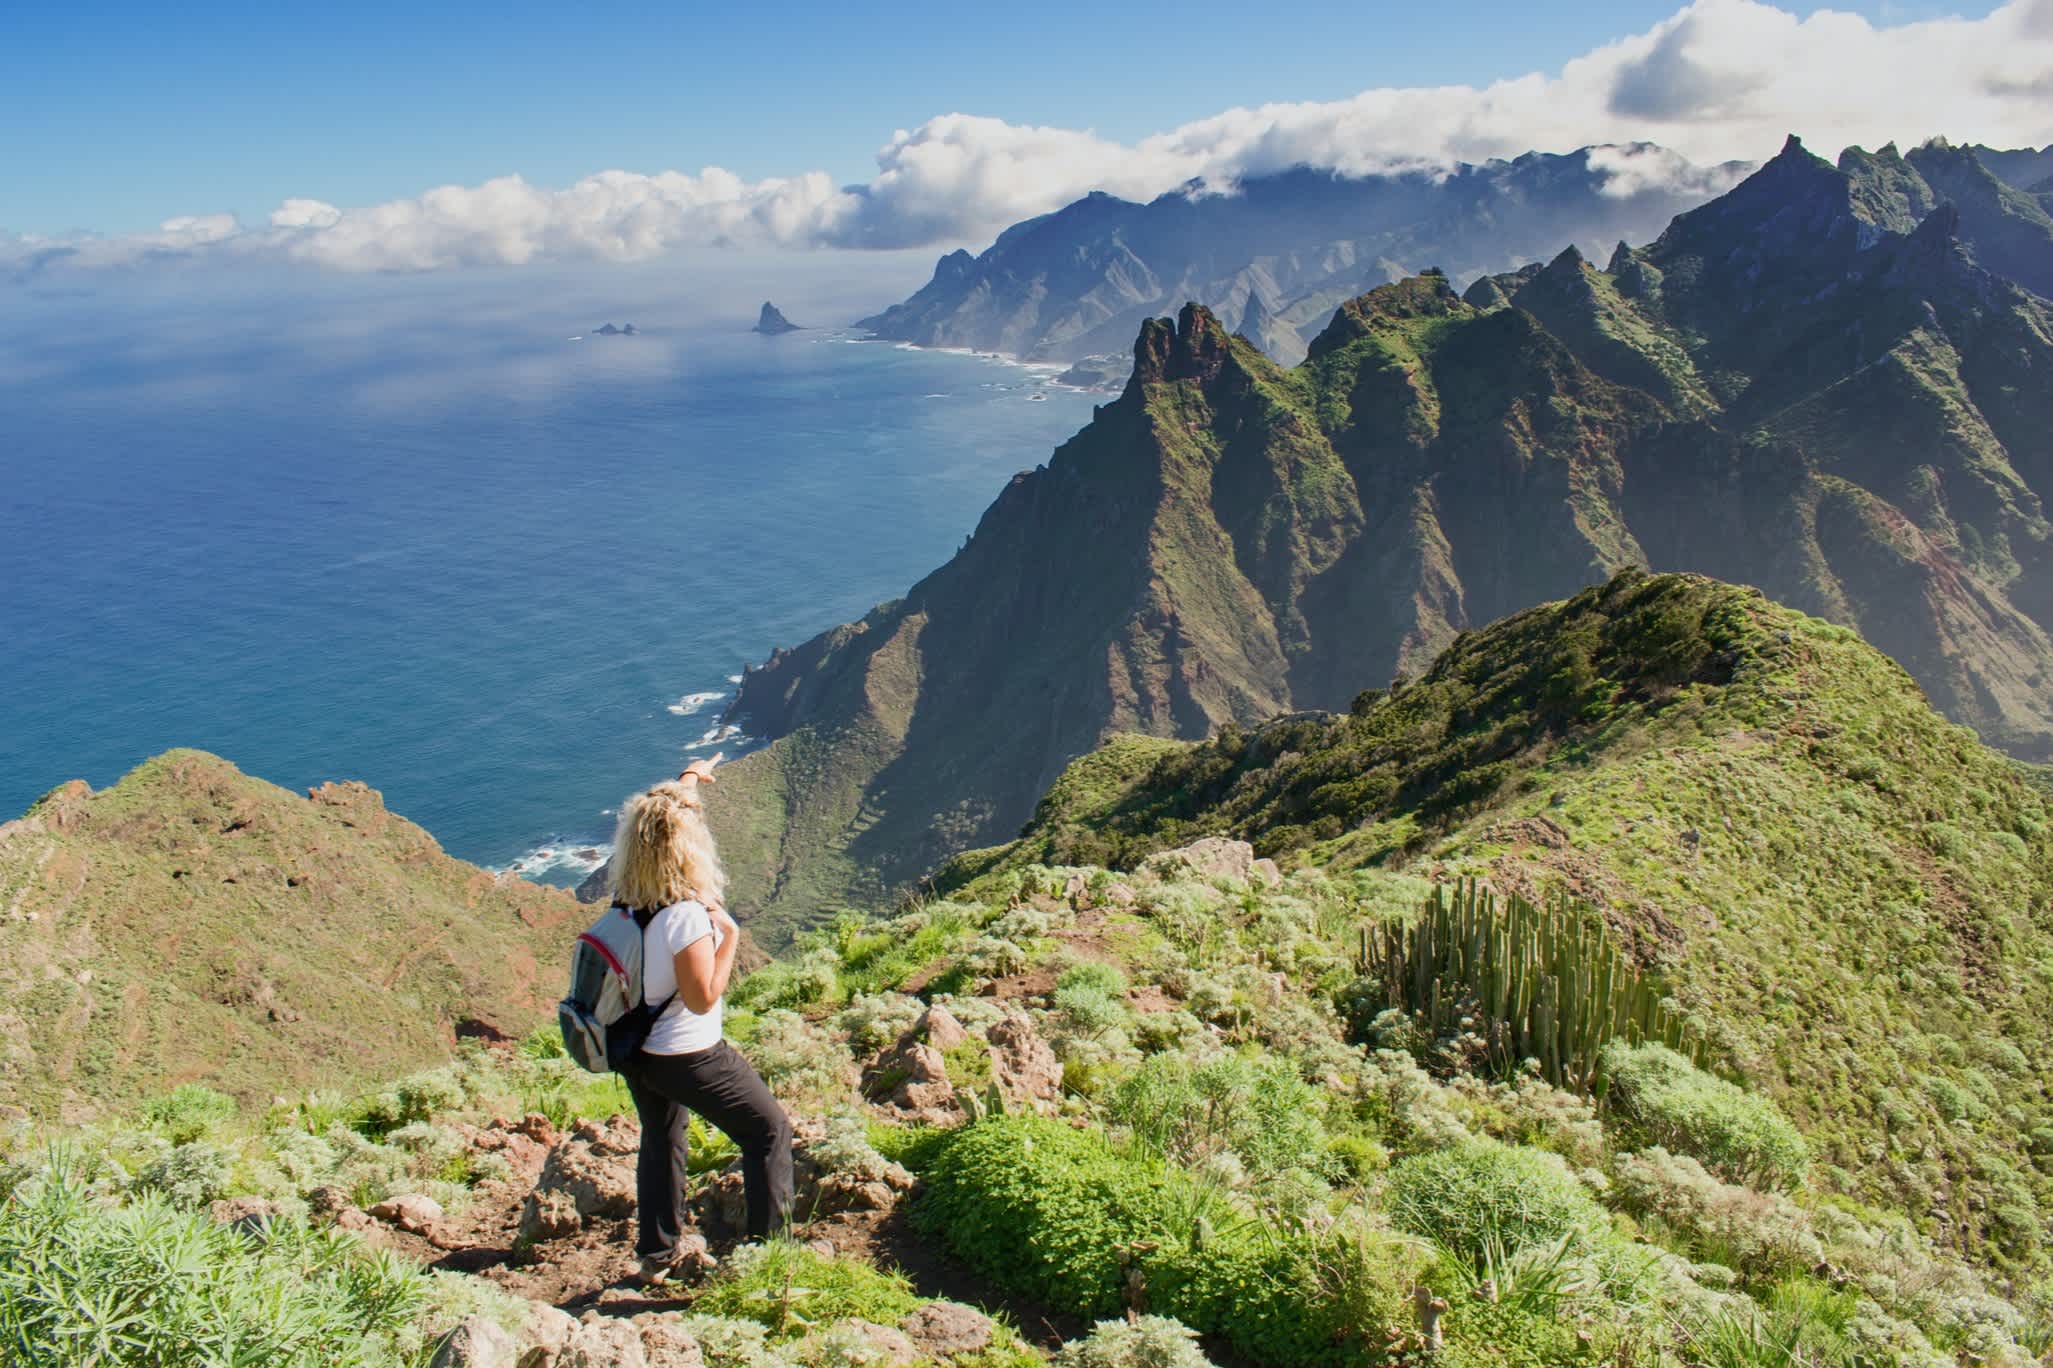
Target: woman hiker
{"points": [[663, 857]]}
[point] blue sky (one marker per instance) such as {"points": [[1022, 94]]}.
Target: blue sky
{"points": [[113, 117]]}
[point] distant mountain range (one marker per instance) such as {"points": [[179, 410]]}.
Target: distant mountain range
{"points": [[1815, 383], [1275, 255]]}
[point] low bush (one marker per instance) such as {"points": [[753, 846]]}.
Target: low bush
{"points": [[1672, 1103], [1254, 1107], [1148, 1342], [787, 1287], [1762, 1236], [83, 1282], [189, 1175], [1482, 1198], [1083, 1225], [188, 1112]]}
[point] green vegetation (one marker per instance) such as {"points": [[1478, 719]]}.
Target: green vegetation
{"points": [[1841, 896], [148, 1282], [1738, 1134], [1481, 1198], [789, 1289], [1549, 986], [193, 923]]}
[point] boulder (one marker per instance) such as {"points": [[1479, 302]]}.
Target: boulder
{"points": [[666, 1343], [1266, 871], [477, 1343], [1023, 1069], [413, 1212], [603, 1342], [913, 1077], [939, 1028], [944, 1329], [329, 1200], [243, 1213], [1212, 857], [590, 1173], [548, 1333], [549, 1216], [888, 1348]]}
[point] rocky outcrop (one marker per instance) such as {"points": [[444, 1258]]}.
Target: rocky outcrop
{"points": [[771, 323], [477, 1343], [1024, 1069], [943, 1330], [588, 1175], [1212, 857]]}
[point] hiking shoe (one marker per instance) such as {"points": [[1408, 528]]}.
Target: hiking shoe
{"points": [[686, 1266]]}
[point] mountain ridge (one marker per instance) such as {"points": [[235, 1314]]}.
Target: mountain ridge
{"points": [[1080, 280], [1794, 385]]}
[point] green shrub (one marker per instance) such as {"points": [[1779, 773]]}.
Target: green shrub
{"points": [[1762, 1236], [787, 1287], [1073, 1220], [1737, 1134], [1149, 1342], [1257, 1109], [86, 1283], [189, 1175], [1482, 1197], [188, 1112], [1045, 1209]]}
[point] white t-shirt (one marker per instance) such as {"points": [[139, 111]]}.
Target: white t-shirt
{"points": [[679, 1030]]}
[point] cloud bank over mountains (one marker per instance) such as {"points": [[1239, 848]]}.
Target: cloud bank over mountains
{"points": [[1718, 81]]}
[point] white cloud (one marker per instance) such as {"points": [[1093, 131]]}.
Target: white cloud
{"points": [[1719, 80]]}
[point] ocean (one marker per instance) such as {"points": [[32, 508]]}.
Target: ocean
{"points": [[435, 534]]}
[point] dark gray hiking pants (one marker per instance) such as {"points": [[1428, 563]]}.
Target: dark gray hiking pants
{"points": [[725, 1089]]}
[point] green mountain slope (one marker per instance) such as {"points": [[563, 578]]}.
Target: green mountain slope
{"points": [[192, 924], [1850, 898], [1801, 385]]}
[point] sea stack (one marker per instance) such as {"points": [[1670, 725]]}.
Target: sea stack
{"points": [[771, 323]]}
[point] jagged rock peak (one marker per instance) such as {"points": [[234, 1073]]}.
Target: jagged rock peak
{"points": [[771, 322], [1196, 347], [1254, 317], [1941, 226]]}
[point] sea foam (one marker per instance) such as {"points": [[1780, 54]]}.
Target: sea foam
{"points": [[694, 702], [574, 859]]}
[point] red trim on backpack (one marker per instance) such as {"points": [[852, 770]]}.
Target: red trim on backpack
{"points": [[589, 939]]}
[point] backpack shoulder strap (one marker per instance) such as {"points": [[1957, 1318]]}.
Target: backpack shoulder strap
{"points": [[642, 918]]}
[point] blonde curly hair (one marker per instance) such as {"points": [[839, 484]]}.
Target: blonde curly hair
{"points": [[663, 852]]}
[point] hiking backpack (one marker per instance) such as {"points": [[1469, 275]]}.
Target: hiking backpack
{"points": [[603, 1017]]}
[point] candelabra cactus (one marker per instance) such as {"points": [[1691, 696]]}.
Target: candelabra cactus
{"points": [[1546, 984]]}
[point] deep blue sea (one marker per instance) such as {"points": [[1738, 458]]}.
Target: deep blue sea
{"points": [[434, 534]]}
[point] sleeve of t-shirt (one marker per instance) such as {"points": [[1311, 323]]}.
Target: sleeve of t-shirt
{"points": [[686, 923]]}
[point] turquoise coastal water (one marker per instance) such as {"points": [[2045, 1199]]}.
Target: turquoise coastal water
{"points": [[418, 535]]}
